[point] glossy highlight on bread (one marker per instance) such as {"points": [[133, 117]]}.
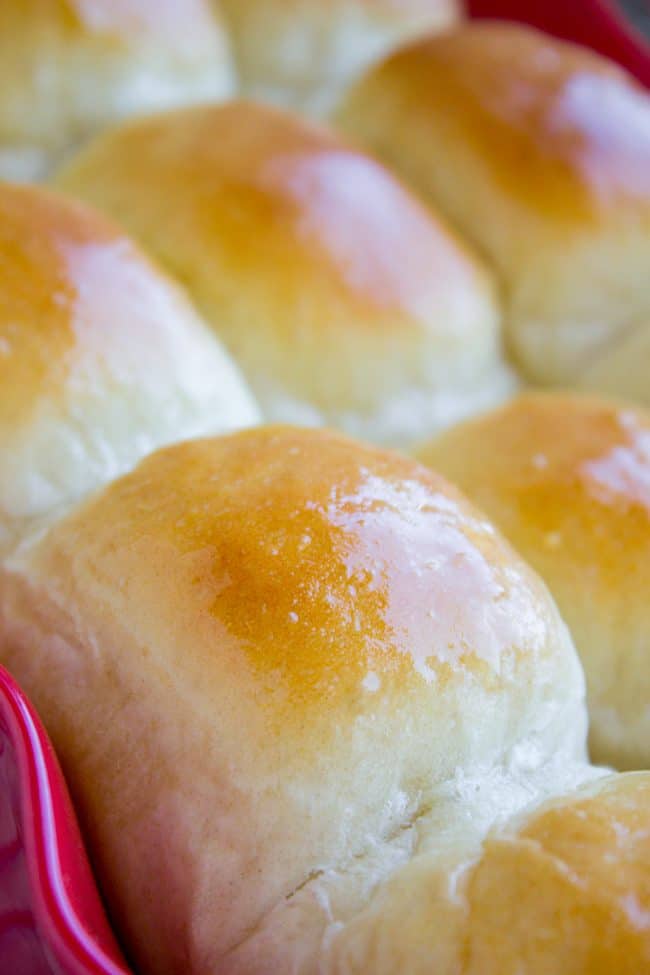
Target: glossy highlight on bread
{"points": [[538, 151], [567, 480], [267, 613], [102, 358], [342, 297]]}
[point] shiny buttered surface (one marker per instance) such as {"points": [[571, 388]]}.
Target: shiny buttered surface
{"points": [[303, 53], [102, 358], [539, 152], [317, 714], [567, 480], [70, 67], [273, 663], [342, 297]]}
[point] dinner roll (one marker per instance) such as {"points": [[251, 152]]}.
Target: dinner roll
{"points": [[263, 659], [302, 53], [539, 152], [622, 369], [102, 358], [562, 888], [567, 479], [68, 67], [342, 298]]}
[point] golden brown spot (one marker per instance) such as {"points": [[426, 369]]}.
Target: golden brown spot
{"points": [[559, 473], [578, 873], [321, 562], [536, 112], [40, 240], [286, 205]]}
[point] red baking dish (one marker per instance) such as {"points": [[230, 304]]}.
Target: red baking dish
{"points": [[51, 918], [598, 24]]}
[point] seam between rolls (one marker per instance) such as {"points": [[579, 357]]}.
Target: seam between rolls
{"points": [[341, 868]]}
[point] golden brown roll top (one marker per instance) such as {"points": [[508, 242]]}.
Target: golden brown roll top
{"points": [[342, 298], [261, 658], [567, 479], [569, 889], [102, 358], [539, 152], [69, 67], [302, 53]]}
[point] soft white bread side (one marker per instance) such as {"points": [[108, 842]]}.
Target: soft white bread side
{"points": [[102, 358], [563, 887], [567, 480], [343, 299], [261, 658], [69, 67], [303, 53], [539, 152], [623, 367]]}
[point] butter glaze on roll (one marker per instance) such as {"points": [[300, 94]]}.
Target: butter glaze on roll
{"points": [[102, 358], [343, 299], [539, 152], [69, 67], [567, 479], [302, 53], [272, 664]]}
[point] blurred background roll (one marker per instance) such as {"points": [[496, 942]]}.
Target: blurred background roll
{"points": [[567, 479], [303, 53], [538, 151], [70, 67], [342, 297], [622, 368], [102, 358]]}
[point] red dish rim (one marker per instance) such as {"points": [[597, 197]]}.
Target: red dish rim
{"points": [[67, 910], [596, 24]]}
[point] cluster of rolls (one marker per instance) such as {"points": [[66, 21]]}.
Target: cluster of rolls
{"points": [[326, 707]]}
